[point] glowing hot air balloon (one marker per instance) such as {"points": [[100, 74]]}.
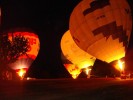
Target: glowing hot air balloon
{"points": [[24, 62], [70, 67], [102, 28], [74, 54]]}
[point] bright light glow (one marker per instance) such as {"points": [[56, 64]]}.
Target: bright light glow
{"points": [[29, 78], [21, 63], [87, 71], [120, 66], [120, 63], [74, 76], [21, 72], [85, 64]]}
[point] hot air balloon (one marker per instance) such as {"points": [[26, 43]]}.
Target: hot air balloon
{"points": [[24, 62], [70, 67], [102, 28], [74, 54], [77, 56]]}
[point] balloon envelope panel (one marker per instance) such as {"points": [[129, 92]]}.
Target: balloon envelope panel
{"points": [[102, 28]]}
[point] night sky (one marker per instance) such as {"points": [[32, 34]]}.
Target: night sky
{"points": [[50, 20]]}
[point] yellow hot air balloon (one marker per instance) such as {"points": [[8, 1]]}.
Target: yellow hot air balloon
{"points": [[24, 62], [70, 67], [102, 28], [74, 54]]}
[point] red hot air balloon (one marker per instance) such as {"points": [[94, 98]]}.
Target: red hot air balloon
{"points": [[24, 62]]}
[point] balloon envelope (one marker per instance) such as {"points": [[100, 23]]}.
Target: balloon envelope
{"points": [[26, 60], [102, 28], [74, 54]]}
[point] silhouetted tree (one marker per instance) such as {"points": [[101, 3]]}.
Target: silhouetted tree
{"points": [[11, 50]]}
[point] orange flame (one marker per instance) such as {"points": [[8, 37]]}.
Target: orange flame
{"points": [[120, 66], [21, 72]]}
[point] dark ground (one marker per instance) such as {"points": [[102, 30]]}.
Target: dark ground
{"points": [[67, 89]]}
